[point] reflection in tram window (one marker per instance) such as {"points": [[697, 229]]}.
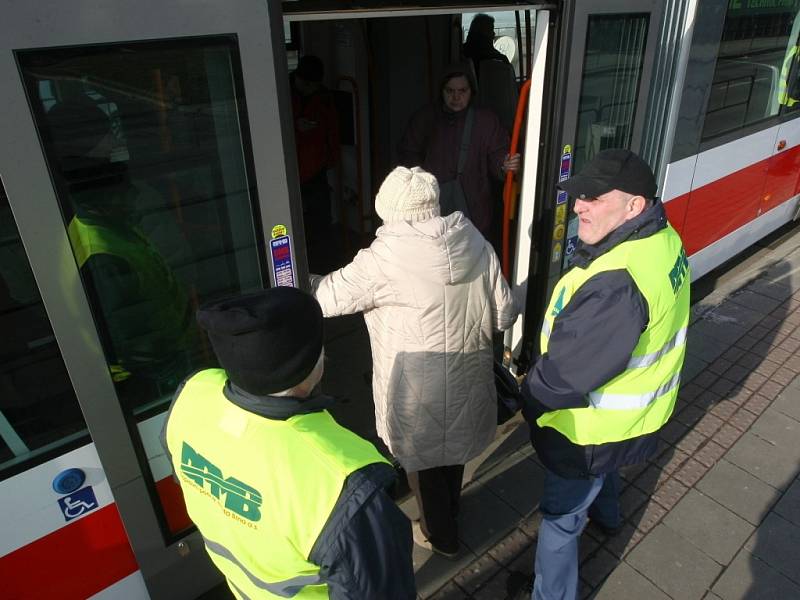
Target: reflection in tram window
{"points": [[145, 145], [38, 408], [757, 55], [613, 65]]}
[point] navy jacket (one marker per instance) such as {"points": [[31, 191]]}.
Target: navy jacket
{"points": [[591, 343], [364, 550]]}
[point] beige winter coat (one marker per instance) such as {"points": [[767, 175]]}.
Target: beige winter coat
{"points": [[432, 294]]}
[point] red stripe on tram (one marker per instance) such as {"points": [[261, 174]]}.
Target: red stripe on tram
{"points": [[72, 563]]}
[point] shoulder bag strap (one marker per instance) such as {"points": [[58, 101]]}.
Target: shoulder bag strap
{"points": [[462, 157]]}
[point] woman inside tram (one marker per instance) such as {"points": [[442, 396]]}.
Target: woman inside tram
{"points": [[464, 146]]}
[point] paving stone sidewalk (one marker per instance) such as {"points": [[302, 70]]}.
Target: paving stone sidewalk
{"points": [[716, 514]]}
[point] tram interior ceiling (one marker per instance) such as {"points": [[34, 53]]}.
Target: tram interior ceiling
{"points": [[306, 6]]}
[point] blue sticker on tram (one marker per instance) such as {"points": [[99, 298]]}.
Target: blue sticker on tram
{"points": [[566, 163], [571, 244], [282, 262], [562, 197], [78, 503]]}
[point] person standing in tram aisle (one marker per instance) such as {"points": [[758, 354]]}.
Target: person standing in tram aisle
{"points": [[612, 342], [464, 146], [316, 131], [432, 295], [480, 43], [144, 308], [289, 503]]}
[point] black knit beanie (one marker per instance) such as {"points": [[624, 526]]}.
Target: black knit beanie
{"points": [[268, 341]]}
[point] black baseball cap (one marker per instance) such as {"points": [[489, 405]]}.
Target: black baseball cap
{"points": [[612, 169]]}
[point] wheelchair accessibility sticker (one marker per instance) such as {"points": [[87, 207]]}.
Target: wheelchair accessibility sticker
{"points": [[78, 503]]}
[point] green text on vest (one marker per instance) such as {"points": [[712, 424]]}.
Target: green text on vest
{"points": [[678, 271], [559, 305], [240, 498]]}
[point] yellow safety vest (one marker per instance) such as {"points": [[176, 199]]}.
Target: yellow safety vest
{"points": [[260, 490], [155, 280], [641, 398], [783, 84]]}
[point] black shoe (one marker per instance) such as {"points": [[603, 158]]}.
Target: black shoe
{"points": [[421, 540], [606, 530], [519, 586]]}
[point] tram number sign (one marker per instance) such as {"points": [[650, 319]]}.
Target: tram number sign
{"points": [[78, 503]]}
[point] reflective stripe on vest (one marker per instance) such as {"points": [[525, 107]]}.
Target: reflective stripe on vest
{"points": [[630, 401], [646, 360], [237, 592], [285, 589], [260, 490], [546, 330], [640, 399]]}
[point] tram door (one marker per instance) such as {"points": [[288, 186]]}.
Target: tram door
{"points": [[145, 167], [606, 60], [369, 50]]}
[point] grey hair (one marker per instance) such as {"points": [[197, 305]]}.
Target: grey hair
{"points": [[311, 379]]}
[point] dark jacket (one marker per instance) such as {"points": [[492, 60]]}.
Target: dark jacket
{"points": [[364, 550], [479, 48], [317, 141], [591, 343], [432, 141]]}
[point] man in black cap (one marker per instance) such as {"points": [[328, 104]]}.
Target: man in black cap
{"points": [[288, 502], [612, 346]]}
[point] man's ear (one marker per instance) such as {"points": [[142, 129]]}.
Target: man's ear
{"points": [[636, 206]]}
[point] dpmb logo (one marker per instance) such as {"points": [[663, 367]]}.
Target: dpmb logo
{"points": [[240, 498], [678, 272]]}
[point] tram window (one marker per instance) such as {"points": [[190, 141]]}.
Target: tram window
{"points": [[753, 66], [612, 71], [39, 413], [150, 160]]}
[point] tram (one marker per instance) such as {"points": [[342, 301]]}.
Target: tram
{"points": [[170, 123]]}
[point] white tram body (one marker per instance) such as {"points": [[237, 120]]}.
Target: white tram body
{"points": [[197, 97]]}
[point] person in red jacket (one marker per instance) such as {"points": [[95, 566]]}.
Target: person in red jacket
{"points": [[316, 131]]}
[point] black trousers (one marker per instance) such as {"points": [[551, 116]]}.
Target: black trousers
{"points": [[438, 491], [317, 219]]}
